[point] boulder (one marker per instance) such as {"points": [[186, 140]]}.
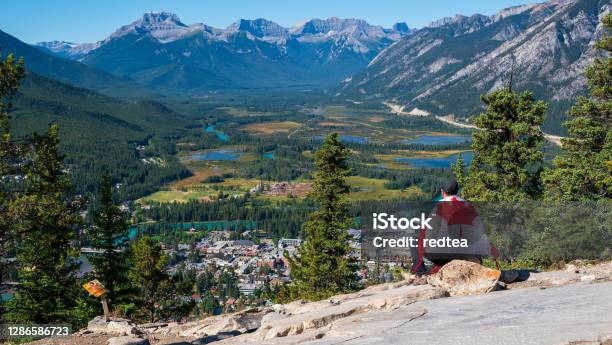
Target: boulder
{"points": [[243, 321], [461, 278], [127, 340], [606, 339], [113, 326], [574, 272]]}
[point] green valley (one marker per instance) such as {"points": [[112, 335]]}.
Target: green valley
{"points": [[164, 173]]}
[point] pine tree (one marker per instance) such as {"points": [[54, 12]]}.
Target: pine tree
{"points": [[47, 290], [584, 172], [10, 75], [110, 234], [322, 266], [507, 160], [458, 169], [148, 274], [209, 304]]}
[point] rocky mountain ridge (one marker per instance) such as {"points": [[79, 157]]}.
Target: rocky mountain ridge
{"points": [[445, 67], [158, 49], [167, 27]]}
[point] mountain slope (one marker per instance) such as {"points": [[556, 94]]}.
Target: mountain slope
{"points": [[68, 71], [445, 67], [100, 133], [159, 50]]}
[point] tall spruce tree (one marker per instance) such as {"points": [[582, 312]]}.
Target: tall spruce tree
{"points": [[110, 235], [458, 169], [148, 274], [46, 220], [11, 73], [323, 266], [507, 160], [584, 172]]}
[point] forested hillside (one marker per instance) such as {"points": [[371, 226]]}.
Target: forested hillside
{"points": [[100, 133], [70, 72]]}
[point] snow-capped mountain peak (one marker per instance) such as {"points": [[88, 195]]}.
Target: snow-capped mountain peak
{"points": [[159, 19], [68, 50], [258, 27], [164, 26], [57, 46], [324, 26], [314, 52]]}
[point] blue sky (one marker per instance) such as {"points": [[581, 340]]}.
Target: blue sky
{"points": [[90, 21]]}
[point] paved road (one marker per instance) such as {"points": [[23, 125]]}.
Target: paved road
{"points": [[397, 109], [555, 139]]}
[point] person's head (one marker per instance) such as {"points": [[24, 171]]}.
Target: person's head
{"points": [[451, 187]]}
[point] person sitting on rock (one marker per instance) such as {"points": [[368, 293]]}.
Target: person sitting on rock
{"points": [[453, 218]]}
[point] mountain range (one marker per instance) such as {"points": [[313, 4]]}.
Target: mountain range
{"points": [[159, 50], [444, 67]]}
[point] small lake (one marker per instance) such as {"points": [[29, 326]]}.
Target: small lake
{"points": [[215, 155], [438, 162], [439, 140], [6, 296], [269, 155], [353, 139], [220, 135]]}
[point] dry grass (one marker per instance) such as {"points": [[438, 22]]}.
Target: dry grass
{"points": [[376, 119], [200, 173], [267, 128]]}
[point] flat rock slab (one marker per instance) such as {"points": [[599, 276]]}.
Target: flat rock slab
{"points": [[572, 314], [561, 315], [573, 273], [297, 321], [321, 314]]}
